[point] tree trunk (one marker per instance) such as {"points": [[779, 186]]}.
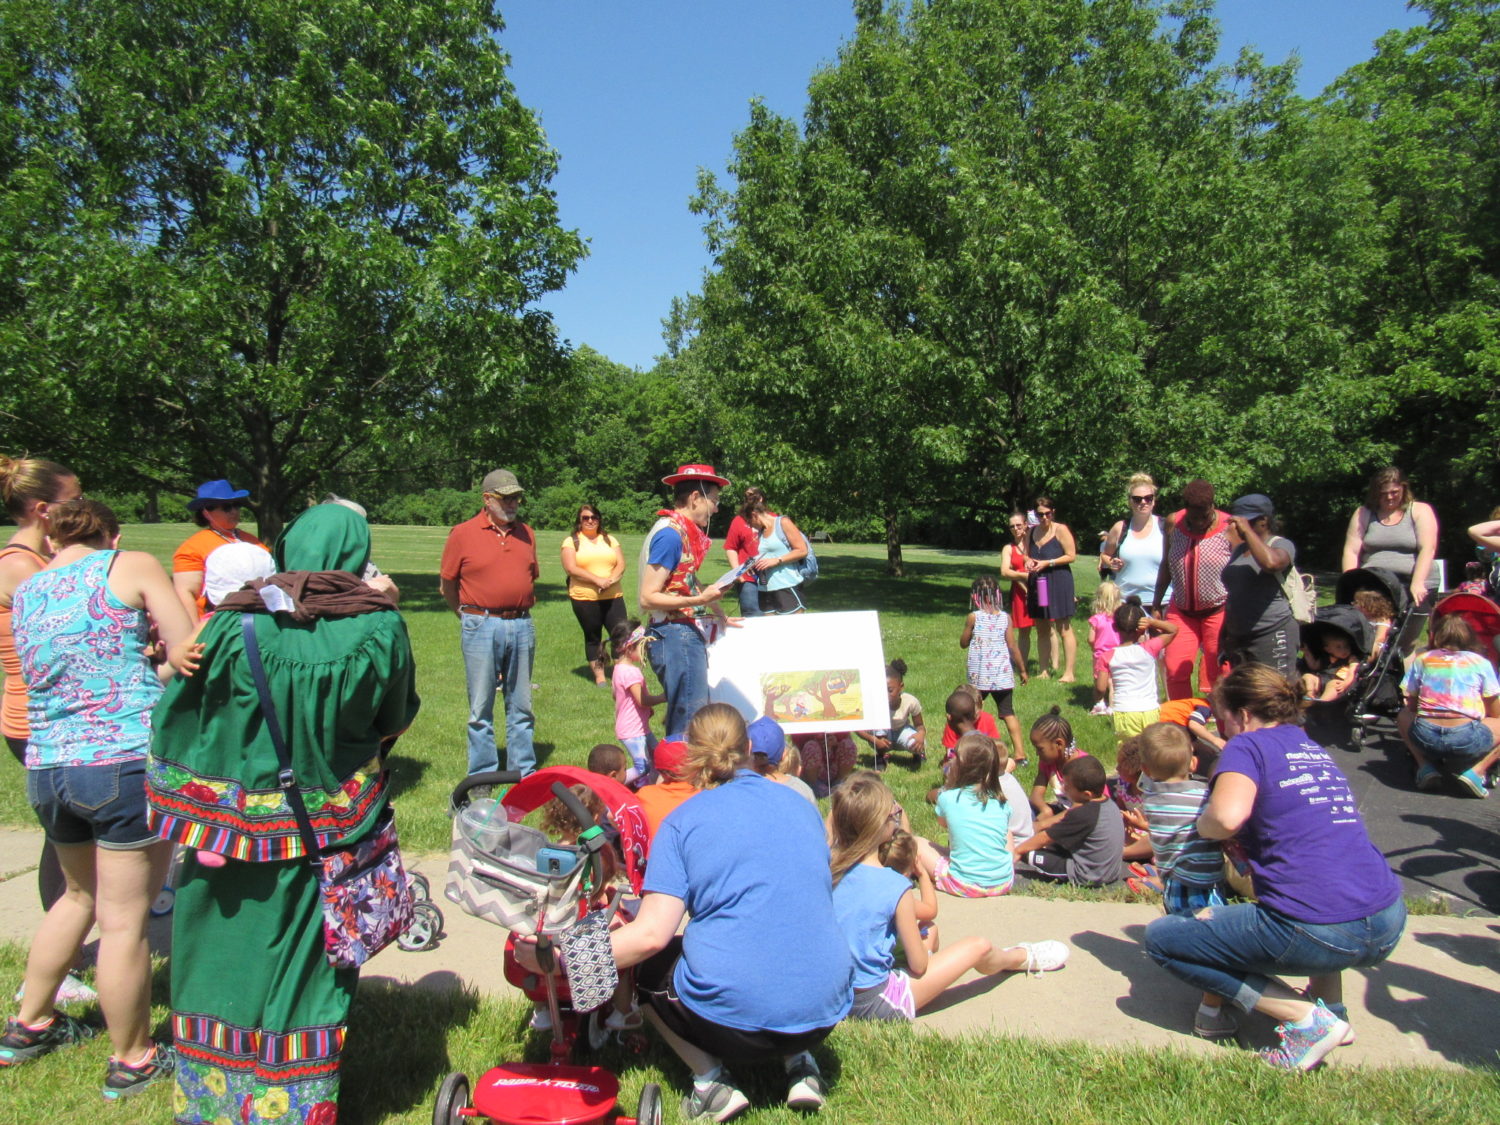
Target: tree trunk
{"points": [[151, 509], [893, 564]]}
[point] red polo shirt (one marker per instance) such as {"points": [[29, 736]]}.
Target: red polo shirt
{"points": [[494, 569]]}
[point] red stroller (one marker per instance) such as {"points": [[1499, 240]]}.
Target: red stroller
{"points": [[510, 874]]}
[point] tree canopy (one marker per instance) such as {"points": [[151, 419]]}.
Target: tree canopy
{"points": [[253, 240]]}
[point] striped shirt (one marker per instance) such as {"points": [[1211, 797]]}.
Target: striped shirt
{"points": [[1172, 809]]}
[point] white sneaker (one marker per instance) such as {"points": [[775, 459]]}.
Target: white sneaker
{"points": [[1044, 956], [541, 1019], [71, 991], [1101, 708]]}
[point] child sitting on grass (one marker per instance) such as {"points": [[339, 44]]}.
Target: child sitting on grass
{"points": [[610, 760], [965, 712], [768, 753], [902, 853], [671, 787], [974, 810], [1052, 739], [1191, 868], [907, 731], [875, 906], [1084, 845]]}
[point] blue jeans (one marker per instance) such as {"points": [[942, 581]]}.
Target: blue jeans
{"points": [[679, 656], [1236, 949], [494, 645], [749, 599], [1452, 748]]}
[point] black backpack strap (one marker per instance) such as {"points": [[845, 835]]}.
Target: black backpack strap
{"points": [[285, 778]]}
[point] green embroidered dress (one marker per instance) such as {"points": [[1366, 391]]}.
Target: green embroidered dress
{"points": [[258, 1013]]}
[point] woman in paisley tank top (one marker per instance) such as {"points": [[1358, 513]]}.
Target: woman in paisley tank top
{"points": [[1197, 551], [81, 626]]}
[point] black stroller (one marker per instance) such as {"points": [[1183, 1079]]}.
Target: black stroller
{"points": [[1376, 692]]}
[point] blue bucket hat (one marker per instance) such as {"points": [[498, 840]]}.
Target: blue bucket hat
{"points": [[216, 491]]}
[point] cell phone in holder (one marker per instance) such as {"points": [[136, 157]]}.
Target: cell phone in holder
{"points": [[556, 860]]}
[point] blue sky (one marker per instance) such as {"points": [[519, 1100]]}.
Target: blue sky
{"points": [[636, 97]]}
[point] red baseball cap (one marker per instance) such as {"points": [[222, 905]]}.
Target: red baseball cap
{"points": [[670, 757]]}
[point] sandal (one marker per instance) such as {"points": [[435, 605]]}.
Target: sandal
{"points": [[1141, 886]]}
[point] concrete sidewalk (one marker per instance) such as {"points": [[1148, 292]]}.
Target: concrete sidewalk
{"points": [[1432, 1003]]}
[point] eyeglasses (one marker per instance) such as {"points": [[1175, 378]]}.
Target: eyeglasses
{"points": [[896, 814], [1149, 498]]}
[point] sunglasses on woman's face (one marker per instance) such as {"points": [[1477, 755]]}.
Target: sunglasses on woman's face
{"points": [[588, 519], [1149, 498]]}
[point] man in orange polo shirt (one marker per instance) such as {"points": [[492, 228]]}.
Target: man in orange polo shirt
{"points": [[488, 578]]}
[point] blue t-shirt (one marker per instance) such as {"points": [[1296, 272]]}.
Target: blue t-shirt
{"points": [[865, 903], [977, 835], [750, 860], [666, 549], [1310, 856]]}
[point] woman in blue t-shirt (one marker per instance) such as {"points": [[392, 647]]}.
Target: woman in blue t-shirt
{"points": [[1328, 900]]}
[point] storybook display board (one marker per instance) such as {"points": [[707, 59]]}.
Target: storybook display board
{"points": [[812, 672]]}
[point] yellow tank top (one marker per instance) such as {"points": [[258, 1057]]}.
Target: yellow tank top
{"points": [[597, 556]]}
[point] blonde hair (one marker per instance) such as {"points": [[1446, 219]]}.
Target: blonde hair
{"points": [[1136, 480], [717, 745], [1107, 598], [791, 761], [25, 481], [1166, 751], [858, 819], [899, 853], [79, 521]]}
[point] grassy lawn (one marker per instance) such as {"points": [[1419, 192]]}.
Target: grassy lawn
{"points": [[404, 1041]]}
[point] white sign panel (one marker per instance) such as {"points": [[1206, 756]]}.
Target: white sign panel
{"points": [[812, 672]]}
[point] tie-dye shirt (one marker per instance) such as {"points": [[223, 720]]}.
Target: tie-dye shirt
{"points": [[1456, 682]]}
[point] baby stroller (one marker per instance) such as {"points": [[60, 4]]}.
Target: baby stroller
{"points": [[1482, 614], [1377, 684], [507, 873]]}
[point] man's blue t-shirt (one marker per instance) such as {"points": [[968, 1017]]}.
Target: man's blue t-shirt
{"points": [[763, 949], [666, 549]]}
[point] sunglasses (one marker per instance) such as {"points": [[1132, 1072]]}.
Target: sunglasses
{"points": [[1149, 498], [588, 519], [221, 506]]}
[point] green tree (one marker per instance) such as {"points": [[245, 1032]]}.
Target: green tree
{"points": [[1017, 246], [257, 239]]}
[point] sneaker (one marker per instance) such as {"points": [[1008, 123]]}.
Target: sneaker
{"points": [[1472, 782], [720, 1101], [541, 1019], [1100, 708], [805, 1089], [71, 991], [1221, 1025], [1044, 956], [21, 1044], [1303, 1048], [122, 1080], [1340, 1011], [1429, 780]]}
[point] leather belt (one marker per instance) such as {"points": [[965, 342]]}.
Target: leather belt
{"points": [[503, 614]]}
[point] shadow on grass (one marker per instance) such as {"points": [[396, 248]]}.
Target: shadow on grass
{"points": [[406, 773], [398, 1035]]}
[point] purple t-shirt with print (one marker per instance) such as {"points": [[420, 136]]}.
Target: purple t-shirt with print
{"points": [[1310, 856]]}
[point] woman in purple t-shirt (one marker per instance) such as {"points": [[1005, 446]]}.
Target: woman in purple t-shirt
{"points": [[1328, 901]]}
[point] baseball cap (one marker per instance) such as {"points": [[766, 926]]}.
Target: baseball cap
{"points": [[670, 757], [766, 738]]}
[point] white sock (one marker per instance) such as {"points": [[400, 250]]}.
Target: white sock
{"points": [[1209, 1011], [1306, 1021]]}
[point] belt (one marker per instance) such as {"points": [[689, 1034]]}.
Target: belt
{"points": [[504, 614]]}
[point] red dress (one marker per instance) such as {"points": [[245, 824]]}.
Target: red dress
{"points": [[1018, 615]]}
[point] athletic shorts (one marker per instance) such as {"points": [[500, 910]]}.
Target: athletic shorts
{"points": [[889, 1001], [1004, 704], [787, 600], [1128, 724]]}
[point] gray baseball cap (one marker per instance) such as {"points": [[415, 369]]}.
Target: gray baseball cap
{"points": [[501, 481]]}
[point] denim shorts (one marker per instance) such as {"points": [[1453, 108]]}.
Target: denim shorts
{"points": [[103, 805], [1452, 745]]}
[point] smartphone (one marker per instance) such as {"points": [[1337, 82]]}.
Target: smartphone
{"points": [[556, 861]]}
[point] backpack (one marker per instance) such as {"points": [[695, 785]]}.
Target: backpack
{"points": [[806, 567], [1302, 592]]}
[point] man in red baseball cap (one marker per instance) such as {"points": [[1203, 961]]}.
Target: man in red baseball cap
{"points": [[672, 597]]}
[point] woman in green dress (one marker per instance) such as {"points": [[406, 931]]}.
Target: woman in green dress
{"points": [[258, 1013]]}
